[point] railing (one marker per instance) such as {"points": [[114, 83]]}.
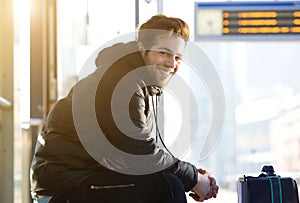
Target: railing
{"points": [[4, 103]]}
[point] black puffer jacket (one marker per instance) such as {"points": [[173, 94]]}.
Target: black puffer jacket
{"points": [[61, 161]]}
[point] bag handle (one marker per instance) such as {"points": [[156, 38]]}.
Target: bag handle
{"points": [[267, 171]]}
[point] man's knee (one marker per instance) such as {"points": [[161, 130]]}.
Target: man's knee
{"points": [[177, 192]]}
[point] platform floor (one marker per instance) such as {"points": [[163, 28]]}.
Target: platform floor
{"points": [[224, 196]]}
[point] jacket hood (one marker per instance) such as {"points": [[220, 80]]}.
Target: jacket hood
{"points": [[111, 54]]}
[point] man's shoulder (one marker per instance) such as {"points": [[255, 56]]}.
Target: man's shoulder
{"points": [[116, 51]]}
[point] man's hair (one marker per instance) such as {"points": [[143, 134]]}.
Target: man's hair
{"points": [[147, 31]]}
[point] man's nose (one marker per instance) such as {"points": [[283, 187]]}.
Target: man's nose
{"points": [[171, 61]]}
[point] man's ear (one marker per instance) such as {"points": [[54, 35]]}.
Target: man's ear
{"points": [[140, 46]]}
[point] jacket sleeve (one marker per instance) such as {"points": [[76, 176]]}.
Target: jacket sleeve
{"points": [[186, 172]]}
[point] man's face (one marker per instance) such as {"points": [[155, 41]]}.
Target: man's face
{"points": [[164, 58]]}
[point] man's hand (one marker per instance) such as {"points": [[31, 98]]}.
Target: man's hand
{"points": [[205, 188]]}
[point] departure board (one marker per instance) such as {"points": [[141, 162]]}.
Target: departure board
{"points": [[248, 20]]}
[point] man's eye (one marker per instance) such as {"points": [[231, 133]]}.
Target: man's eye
{"points": [[178, 58], [164, 53]]}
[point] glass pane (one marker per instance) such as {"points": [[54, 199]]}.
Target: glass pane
{"points": [[83, 29]]}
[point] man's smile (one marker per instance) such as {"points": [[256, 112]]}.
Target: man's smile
{"points": [[165, 72]]}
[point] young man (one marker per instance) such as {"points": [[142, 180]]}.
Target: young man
{"points": [[126, 165]]}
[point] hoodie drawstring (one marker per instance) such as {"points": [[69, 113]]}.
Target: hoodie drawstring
{"points": [[158, 135]]}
